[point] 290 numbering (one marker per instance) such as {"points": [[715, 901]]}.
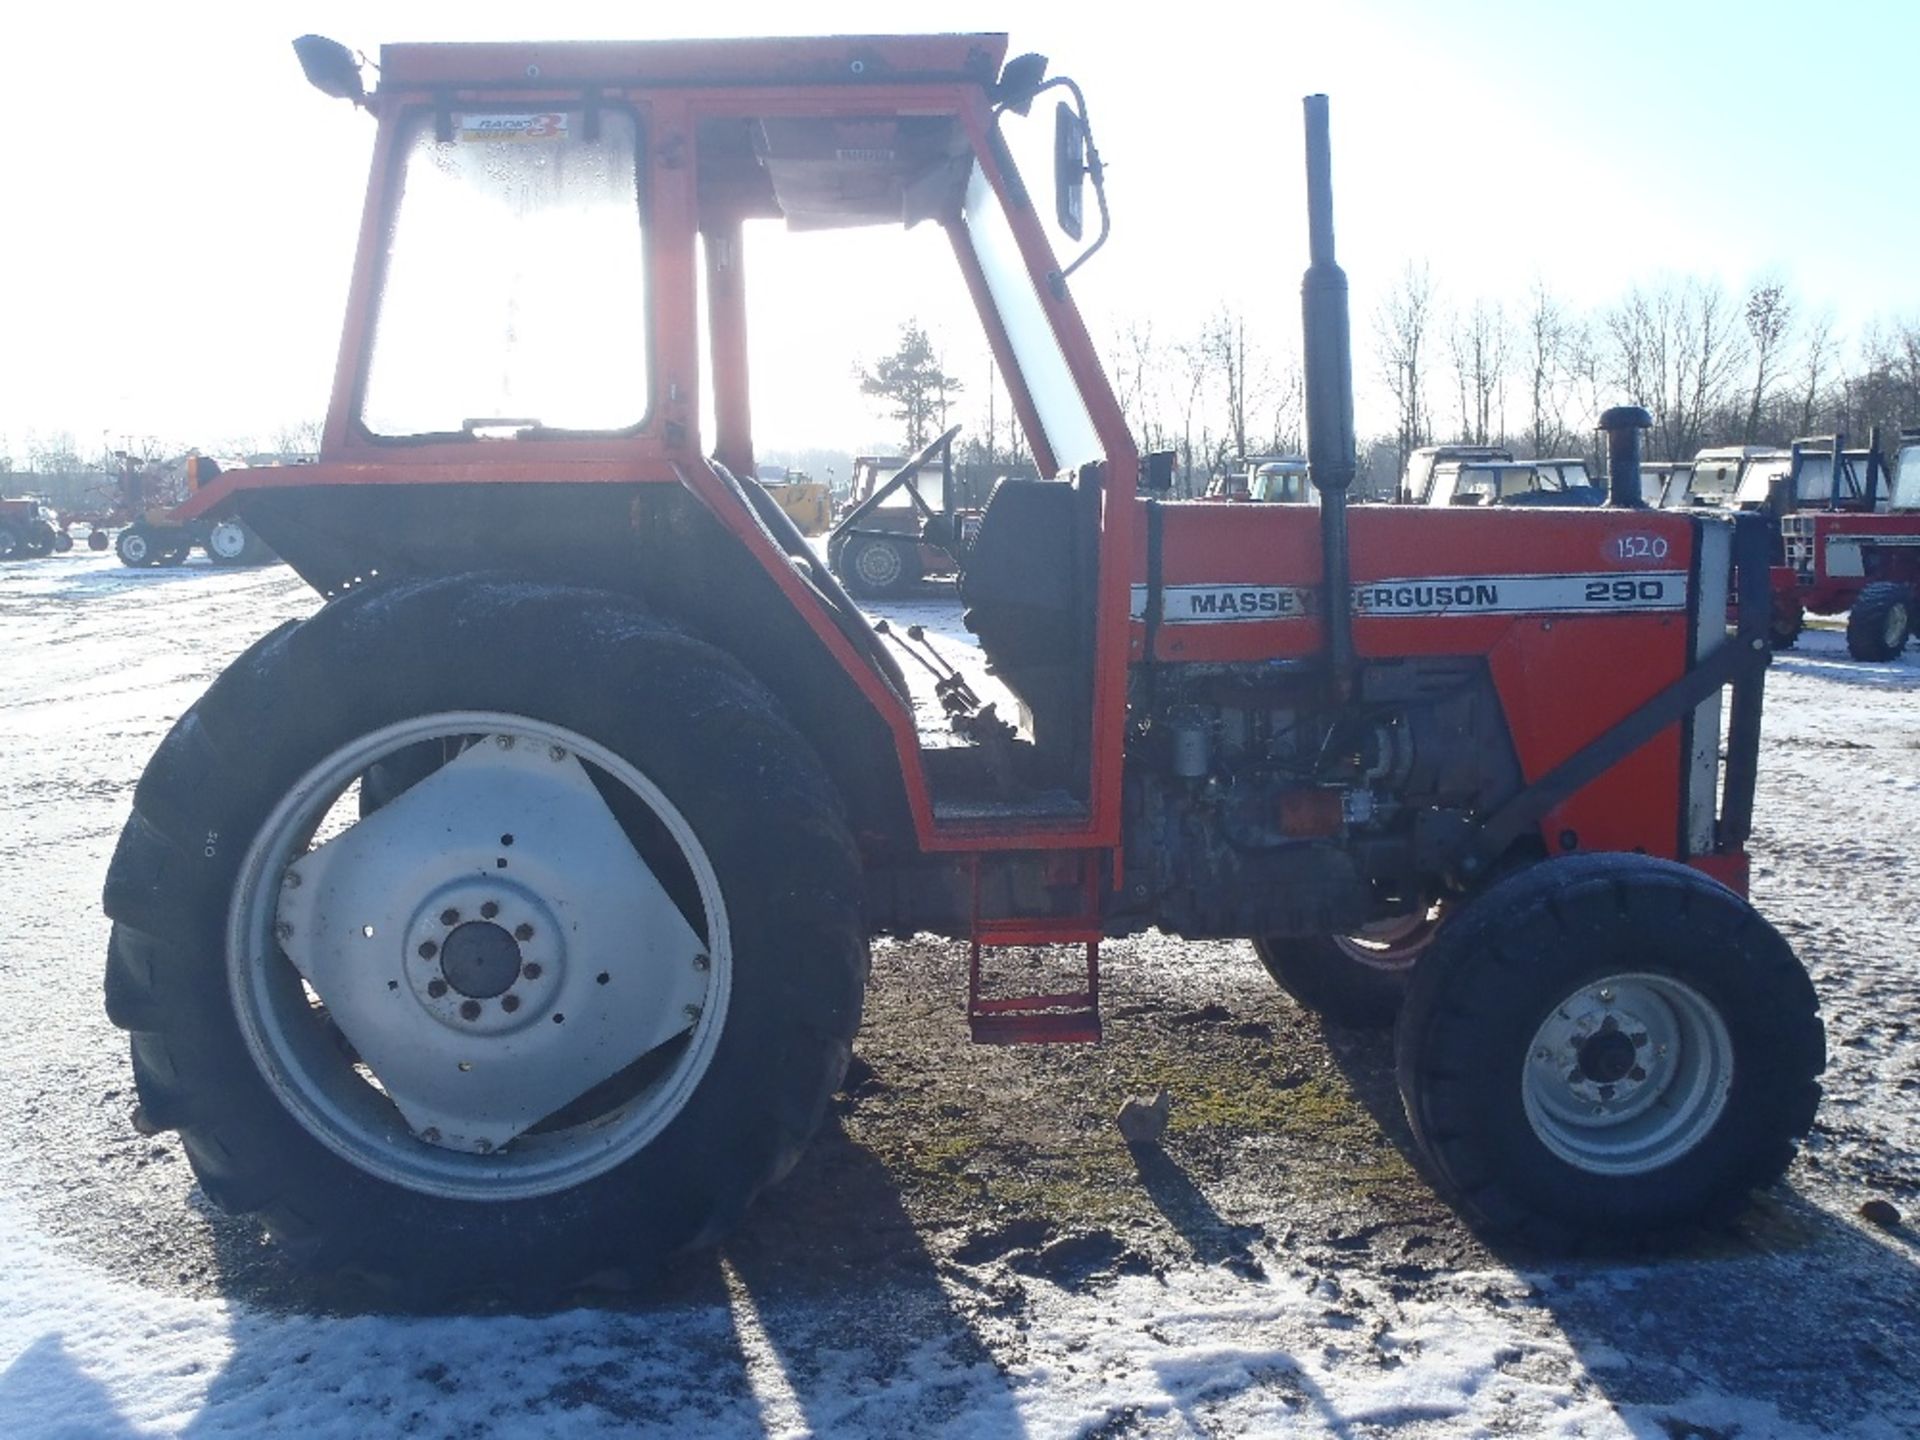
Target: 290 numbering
{"points": [[1601, 592]]}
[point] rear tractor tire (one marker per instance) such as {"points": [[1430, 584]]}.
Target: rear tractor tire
{"points": [[62, 542], [561, 1001], [1880, 622], [1356, 980], [13, 544], [1607, 1050], [1784, 626]]}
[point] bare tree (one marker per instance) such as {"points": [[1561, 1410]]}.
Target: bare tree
{"points": [[1816, 360], [1555, 347], [1477, 343], [1769, 316], [1400, 327], [1675, 349]]}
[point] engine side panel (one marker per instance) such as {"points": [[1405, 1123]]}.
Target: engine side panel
{"points": [[1581, 616]]}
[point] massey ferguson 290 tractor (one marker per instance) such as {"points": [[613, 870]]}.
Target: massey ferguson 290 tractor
{"points": [[507, 920]]}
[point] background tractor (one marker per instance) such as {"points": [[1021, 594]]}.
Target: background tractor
{"points": [[506, 921], [28, 528]]}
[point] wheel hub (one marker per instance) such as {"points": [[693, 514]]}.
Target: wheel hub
{"points": [[484, 956], [480, 960], [1627, 1073]]}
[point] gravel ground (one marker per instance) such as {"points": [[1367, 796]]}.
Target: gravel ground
{"points": [[969, 1249]]}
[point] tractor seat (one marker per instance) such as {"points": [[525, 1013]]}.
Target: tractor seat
{"points": [[1019, 582]]}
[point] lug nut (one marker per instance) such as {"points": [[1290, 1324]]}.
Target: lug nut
{"points": [[489, 910], [701, 960], [449, 916], [602, 978], [436, 988], [291, 879], [509, 1003], [523, 931], [428, 949], [283, 931], [505, 742], [470, 1010], [554, 752], [693, 1012], [531, 970], [431, 1135]]}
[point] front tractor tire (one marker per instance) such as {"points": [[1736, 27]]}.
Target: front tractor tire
{"points": [[137, 547], [233, 543], [877, 569], [1880, 622], [573, 990], [1607, 1050], [1356, 980]]}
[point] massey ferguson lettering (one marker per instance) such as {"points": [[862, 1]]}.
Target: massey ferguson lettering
{"points": [[1612, 593], [1638, 590], [1426, 599], [1191, 604]]}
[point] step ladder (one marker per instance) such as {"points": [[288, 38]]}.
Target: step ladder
{"points": [[1063, 1017]]}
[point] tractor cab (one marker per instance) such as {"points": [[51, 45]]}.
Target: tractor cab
{"points": [[551, 320], [1904, 488]]}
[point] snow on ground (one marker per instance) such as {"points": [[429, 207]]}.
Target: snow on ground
{"points": [[128, 1309]]}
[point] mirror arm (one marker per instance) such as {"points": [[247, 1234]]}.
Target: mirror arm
{"points": [[1096, 172]]}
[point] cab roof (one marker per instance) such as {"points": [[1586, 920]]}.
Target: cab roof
{"points": [[816, 60]]}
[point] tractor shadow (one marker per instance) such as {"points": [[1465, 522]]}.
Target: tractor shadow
{"points": [[1822, 655], [1792, 1306], [824, 1312]]}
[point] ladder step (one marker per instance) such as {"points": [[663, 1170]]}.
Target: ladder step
{"points": [[1035, 1027], [1051, 930]]}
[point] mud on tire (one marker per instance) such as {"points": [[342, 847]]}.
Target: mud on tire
{"points": [[1607, 1050], [699, 729]]}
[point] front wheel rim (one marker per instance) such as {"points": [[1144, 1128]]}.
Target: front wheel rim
{"points": [[1627, 1074], [227, 540], [462, 1028]]}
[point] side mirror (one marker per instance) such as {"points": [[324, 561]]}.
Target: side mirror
{"points": [[330, 68], [1160, 471], [1069, 169]]}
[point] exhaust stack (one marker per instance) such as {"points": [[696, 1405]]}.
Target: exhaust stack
{"points": [[1328, 351], [1624, 425]]}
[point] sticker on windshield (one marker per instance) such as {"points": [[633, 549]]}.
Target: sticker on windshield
{"points": [[513, 128]]}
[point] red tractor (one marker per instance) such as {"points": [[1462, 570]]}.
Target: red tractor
{"points": [[507, 919], [1850, 540]]}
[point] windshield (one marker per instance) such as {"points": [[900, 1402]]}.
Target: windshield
{"points": [[514, 296], [1906, 479], [1062, 413]]}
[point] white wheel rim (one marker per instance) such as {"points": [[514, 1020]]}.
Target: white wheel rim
{"points": [[227, 539], [134, 547], [878, 564], [416, 1071], [1627, 1074]]}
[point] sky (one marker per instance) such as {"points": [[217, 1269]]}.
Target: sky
{"points": [[182, 207]]}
